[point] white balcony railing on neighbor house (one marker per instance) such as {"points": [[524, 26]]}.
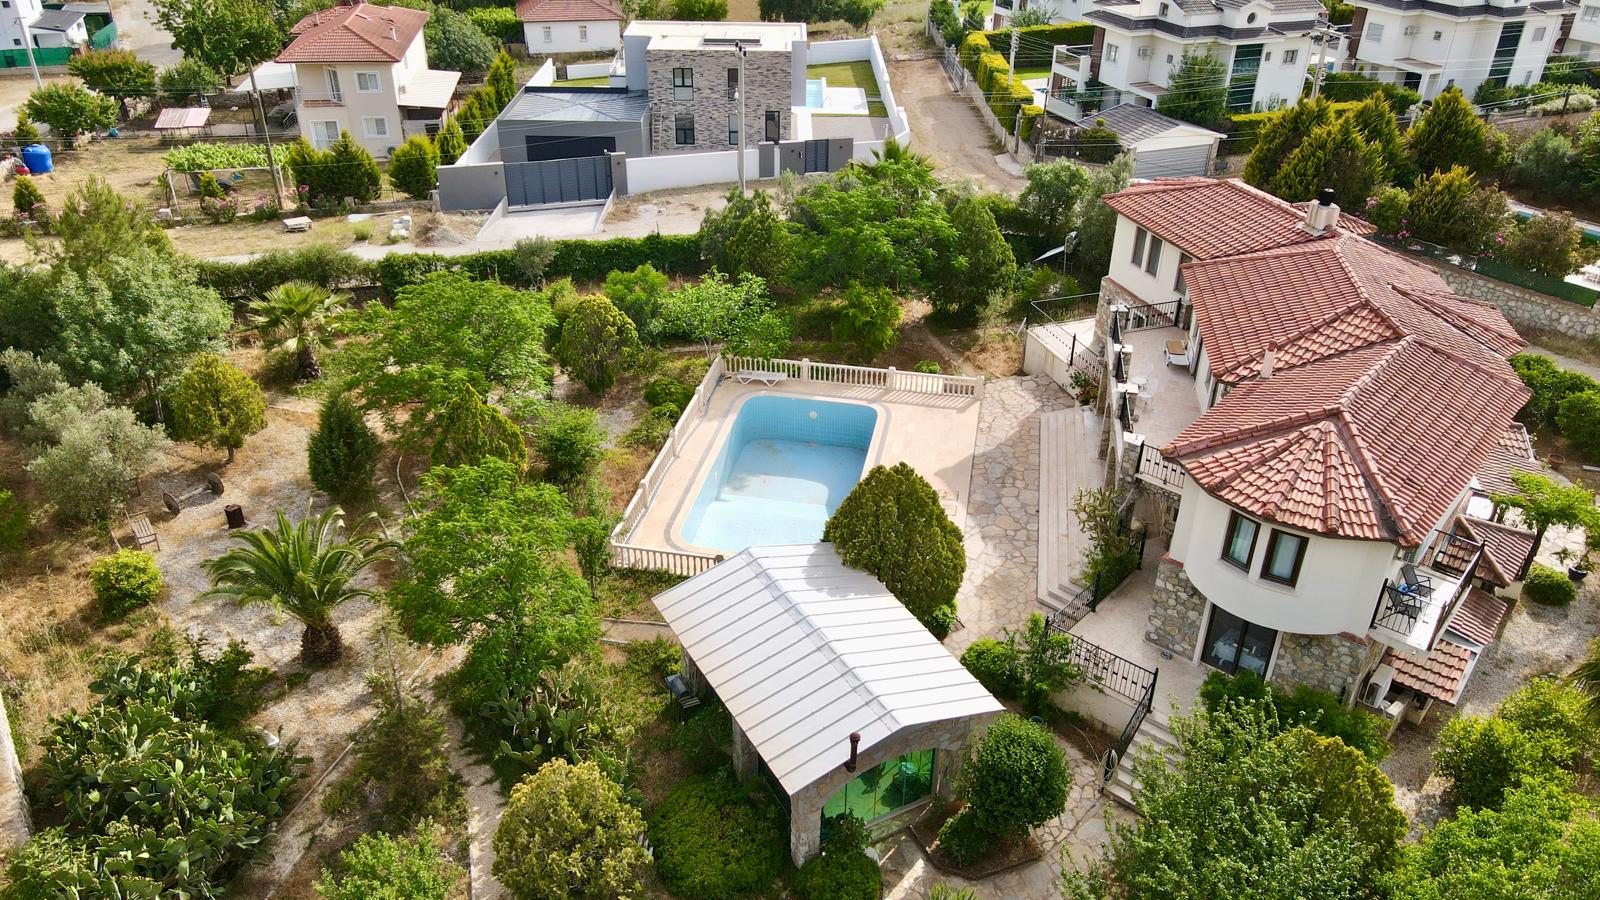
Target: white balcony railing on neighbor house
{"points": [[1416, 605], [320, 98]]}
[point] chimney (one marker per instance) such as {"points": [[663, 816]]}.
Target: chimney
{"points": [[1268, 360], [1322, 214], [855, 741]]}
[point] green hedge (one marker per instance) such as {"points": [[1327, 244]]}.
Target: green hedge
{"points": [[1037, 45], [674, 254], [1242, 128], [1533, 281], [1006, 95], [1030, 117]]}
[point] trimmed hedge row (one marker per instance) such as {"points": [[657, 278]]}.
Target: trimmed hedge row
{"points": [[983, 53], [580, 260], [1242, 128]]}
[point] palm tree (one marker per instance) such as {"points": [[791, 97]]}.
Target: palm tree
{"points": [[298, 316], [1586, 678], [304, 569]]}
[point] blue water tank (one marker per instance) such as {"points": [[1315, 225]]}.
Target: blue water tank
{"points": [[37, 158]]}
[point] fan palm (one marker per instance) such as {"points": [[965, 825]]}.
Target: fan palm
{"points": [[1586, 678], [304, 569], [298, 316]]}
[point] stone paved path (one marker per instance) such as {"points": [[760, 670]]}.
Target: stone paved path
{"points": [[1002, 527]]}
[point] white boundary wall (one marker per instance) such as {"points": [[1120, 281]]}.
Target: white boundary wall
{"points": [[588, 70], [546, 75], [867, 48], [658, 173]]}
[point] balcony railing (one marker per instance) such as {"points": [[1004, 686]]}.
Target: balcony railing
{"points": [[1159, 469], [1415, 606], [1071, 56]]}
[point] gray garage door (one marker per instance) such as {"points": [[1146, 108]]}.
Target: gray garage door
{"points": [[817, 156], [558, 181], [1174, 162]]}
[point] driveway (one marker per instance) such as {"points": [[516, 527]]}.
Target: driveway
{"points": [[137, 31], [945, 127]]}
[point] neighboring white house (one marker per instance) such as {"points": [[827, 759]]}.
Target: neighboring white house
{"points": [[1326, 494], [571, 26], [364, 69], [838, 694], [1264, 47], [1584, 37], [59, 28], [1431, 46], [13, 14]]}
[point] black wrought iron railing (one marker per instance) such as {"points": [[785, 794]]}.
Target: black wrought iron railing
{"points": [[1142, 707], [1146, 316], [1158, 468], [1403, 601], [1087, 599]]}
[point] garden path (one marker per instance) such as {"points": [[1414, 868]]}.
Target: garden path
{"points": [[1002, 527]]}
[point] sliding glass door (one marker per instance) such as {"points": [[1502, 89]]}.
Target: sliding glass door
{"points": [[1232, 644]]}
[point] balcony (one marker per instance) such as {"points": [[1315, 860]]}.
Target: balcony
{"points": [[320, 99], [1414, 606], [1073, 62]]}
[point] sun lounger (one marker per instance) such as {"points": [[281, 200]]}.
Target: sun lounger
{"points": [[745, 376]]}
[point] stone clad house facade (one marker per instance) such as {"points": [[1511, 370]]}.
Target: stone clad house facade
{"points": [[698, 88], [1327, 489]]}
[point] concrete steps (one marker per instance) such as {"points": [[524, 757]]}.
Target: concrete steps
{"points": [[1068, 462], [1123, 787]]}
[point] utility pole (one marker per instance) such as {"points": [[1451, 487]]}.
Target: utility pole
{"points": [[27, 43], [1322, 36], [1012, 61], [266, 134], [739, 90]]}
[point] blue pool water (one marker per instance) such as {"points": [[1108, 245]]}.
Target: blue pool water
{"points": [[783, 469], [814, 87]]}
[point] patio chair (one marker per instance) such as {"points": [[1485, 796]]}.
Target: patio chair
{"points": [[1415, 583], [1178, 353], [681, 692]]}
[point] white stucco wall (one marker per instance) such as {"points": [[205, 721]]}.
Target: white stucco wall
{"points": [[1584, 40], [569, 37], [10, 29], [1277, 83], [1336, 591], [1157, 288], [357, 105], [1462, 49]]}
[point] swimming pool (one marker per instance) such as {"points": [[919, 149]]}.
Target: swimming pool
{"points": [[815, 89], [783, 469]]}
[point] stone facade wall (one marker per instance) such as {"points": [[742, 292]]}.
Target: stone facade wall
{"points": [[950, 738], [1524, 308], [1332, 662], [1176, 610], [767, 86]]}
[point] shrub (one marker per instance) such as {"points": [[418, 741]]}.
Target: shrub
{"points": [[842, 871], [868, 319], [316, 264], [964, 839], [14, 522], [580, 260], [70, 110], [403, 760], [638, 294], [532, 257], [891, 525], [1016, 778], [567, 832], [380, 866], [215, 404], [994, 663], [668, 392], [413, 167], [1450, 134], [1483, 757], [1220, 690], [1318, 710], [926, 366], [27, 199], [343, 452], [570, 441], [703, 738], [714, 838], [468, 431], [326, 178], [1549, 244], [450, 142], [1578, 416], [1555, 708], [1549, 587], [1551, 385], [125, 581], [596, 340], [498, 22]]}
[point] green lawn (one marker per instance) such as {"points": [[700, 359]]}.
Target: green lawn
{"points": [[857, 73], [1027, 74], [597, 81]]}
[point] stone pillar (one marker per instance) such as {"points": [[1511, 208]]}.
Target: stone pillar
{"points": [[1176, 610], [805, 825], [745, 760], [692, 674]]}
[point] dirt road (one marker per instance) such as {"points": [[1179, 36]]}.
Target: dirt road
{"points": [[945, 128], [137, 31]]}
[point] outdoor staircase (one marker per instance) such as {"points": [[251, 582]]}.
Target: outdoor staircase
{"points": [[1152, 731], [1068, 460]]}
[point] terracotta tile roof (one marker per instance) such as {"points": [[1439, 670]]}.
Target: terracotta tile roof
{"points": [[359, 33], [1441, 676], [1479, 617], [1209, 218], [1514, 453], [1373, 443], [1504, 549], [568, 10]]}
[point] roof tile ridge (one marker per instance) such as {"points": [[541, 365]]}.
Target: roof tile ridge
{"points": [[1332, 518], [1449, 317], [1341, 313], [1365, 455], [1226, 438], [1505, 376], [1280, 494], [1361, 288], [1294, 249]]}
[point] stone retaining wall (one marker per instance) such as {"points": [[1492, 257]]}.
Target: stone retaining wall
{"points": [[1332, 662], [1526, 309], [1176, 610]]}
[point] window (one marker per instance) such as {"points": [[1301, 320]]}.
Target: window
{"points": [[1240, 545], [6, 4], [1145, 52], [683, 129], [1285, 552], [1591, 13], [375, 126], [733, 129], [323, 134], [1538, 33], [583, 33], [1290, 57], [1177, 283], [1438, 35], [889, 786], [1111, 52], [1232, 643], [547, 34], [1375, 32], [1153, 261], [1267, 56], [1164, 10], [733, 83], [368, 83], [1169, 59], [1411, 30], [1250, 19], [774, 125], [1139, 237], [683, 85]]}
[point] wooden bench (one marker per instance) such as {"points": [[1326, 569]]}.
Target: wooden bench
{"points": [[298, 223], [144, 533], [745, 376]]}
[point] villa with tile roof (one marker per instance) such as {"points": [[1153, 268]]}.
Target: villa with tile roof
{"points": [[571, 26], [364, 69], [1314, 423]]}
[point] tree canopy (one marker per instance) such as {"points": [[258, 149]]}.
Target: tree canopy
{"points": [[217, 405], [1197, 90], [568, 832], [230, 36]]}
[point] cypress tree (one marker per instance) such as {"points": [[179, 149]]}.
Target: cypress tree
{"points": [[1280, 135], [1374, 119], [450, 141], [1451, 134], [343, 452], [469, 431], [1334, 156]]}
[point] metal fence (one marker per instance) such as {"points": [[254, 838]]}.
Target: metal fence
{"points": [[1159, 469]]}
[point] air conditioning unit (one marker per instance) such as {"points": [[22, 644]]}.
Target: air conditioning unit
{"points": [[1144, 52], [1413, 30]]}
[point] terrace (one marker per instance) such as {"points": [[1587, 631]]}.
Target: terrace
{"points": [[794, 480]]}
